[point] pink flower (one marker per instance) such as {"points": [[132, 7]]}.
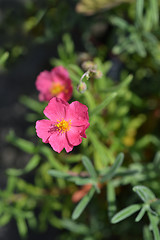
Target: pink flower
{"points": [[66, 125], [55, 83]]}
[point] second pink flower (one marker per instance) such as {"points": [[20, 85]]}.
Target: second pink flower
{"points": [[55, 83]]}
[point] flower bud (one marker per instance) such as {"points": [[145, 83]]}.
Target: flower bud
{"points": [[82, 87], [89, 65]]}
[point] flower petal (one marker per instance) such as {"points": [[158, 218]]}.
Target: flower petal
{"points": [[83, 134], [67, 93], [59, 73], [42, 129], [43, 81], [78, 114], [43, 84], [74, 135], [58, 141], [56, 109]]}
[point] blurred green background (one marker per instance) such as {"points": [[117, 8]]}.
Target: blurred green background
{"points": [[122, 37]]}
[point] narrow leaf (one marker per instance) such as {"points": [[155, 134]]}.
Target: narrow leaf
{"points": [[14, 172], [144, 193], [154, 8], [126, 212], [75, 227], [48, 153], [4, 219], [147, 235], [119, 22], [32, 104], [104, 153], [141, 214], [32, 164], [4, 58], [113, 169], [111, 199], [104, 104], [154, 223], [83, 181], [89, 167], [139, 11], [156, 160], [82, 204], [21, 143], [58, 174], [76, 179], [22, 227]]}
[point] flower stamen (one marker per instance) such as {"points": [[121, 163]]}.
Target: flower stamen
{"points": [[63, 125], [57, 88]]}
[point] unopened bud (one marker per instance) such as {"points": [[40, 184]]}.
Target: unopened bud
{"points": [[94, 74], [82, 87], [89, 65]]}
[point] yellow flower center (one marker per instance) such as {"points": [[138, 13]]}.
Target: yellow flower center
{"points": [[57, 88], [63, 126]]}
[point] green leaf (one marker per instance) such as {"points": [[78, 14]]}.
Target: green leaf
{"points": [[58, 174], [147, 233], [76, 179], [89, 167], [139, 11], [113, 169], [154, 8], [73, 158], [119, 22], [156, 160], [103, 104], [32, 164], [4, 219], [90, 100], [75, 71], [111, 199], [147, 139], [75, 227], [144, 193], [82, 204], [126, 81], [21, 143], [83, 181], [154, 224], [69, 46], [105, 153], [14, 172], [49, 154], [22, 226], [141, 214], [11, 184], [4, 58], [125, 213], [32, 104], [139, 46]]}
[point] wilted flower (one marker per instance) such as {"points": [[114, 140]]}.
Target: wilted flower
{"points": [[55, 83], [66, 125], [78, 195]]}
